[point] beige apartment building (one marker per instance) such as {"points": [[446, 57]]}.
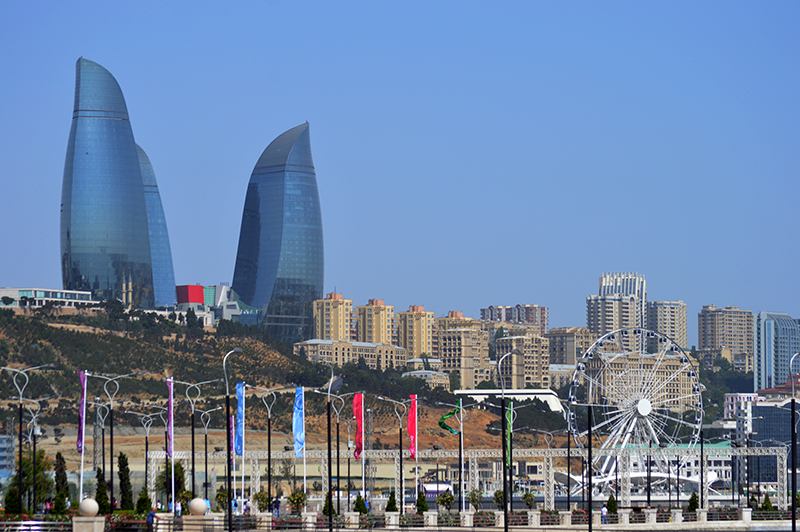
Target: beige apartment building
{"points": [[456, 320], [605, 314], [728, 327], [530, 369], [375, 323], [568, 344], [376, 356], [465, 351], [667, 318], [415, 331], [333, 318]]}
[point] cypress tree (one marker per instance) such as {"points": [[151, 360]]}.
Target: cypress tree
{"points": [[125, 487], [101, 494]]}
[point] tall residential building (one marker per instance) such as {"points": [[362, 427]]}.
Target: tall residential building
{"points": [[531, 314], [333, 318], [376, 356], [777, 338], [728, 327], [532, 368], [415, 331], [608, 313], [669, 319], [568, 344], [375, 322], [456, 320], [627, 284], [466, 351], [280, 262], [114, 239]]}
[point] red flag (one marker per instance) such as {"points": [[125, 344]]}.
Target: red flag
{"points": [[412, 426], [358, 412]]}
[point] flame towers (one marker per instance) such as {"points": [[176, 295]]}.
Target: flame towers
{"points": [[280, 261], [114, 238]]}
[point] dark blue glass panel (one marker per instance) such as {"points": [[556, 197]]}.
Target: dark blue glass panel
{"points": [[280, 262]]}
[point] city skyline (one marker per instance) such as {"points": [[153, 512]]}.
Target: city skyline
{"points": [[494, 155]]}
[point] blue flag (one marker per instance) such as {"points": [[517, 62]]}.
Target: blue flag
{"points": [[238, 441], [299, 423]]}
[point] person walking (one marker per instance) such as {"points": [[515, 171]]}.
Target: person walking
{"points": [[151, 519], [604, 515], [276, 507]]}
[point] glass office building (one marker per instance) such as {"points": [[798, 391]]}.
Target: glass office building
{"points": [[105, 236], [280, 261]]}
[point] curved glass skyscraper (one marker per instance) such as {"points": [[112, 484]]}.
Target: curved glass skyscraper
{"points": [[106, 218], [280, 261]]}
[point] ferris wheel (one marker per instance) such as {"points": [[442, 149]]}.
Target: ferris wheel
{"points": [[645, 394]]}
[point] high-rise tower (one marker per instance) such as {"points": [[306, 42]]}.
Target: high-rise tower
{"points": [[280, 261], [107, 223]]}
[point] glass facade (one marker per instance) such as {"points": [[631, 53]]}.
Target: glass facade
{"points": [[105, 241], [280, 260], [160, 251]]}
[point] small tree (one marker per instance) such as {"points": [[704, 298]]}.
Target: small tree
{"points": [[529, 499], [422, 504], [694, 503], [360, 506], [143, 503], [766, 506], [262, 501], [12, 500], [446, 500], [753, 502], [101, 494], [222, 500], [474, 497], [391, 504], [60, 503], [498, 498], [297, 499], [328, 509], [125, 487], [61, 474], [611, 504]]}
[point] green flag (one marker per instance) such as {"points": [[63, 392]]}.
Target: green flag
{"points": [[445, 417]]}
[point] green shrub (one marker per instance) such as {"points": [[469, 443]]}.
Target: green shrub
{"points": [[474, 497], [360, 506], [445, 500], [529, 499], [391, 504], [422, 504]]}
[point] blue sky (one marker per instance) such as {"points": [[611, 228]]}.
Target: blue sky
{"points": [[467, 153]]}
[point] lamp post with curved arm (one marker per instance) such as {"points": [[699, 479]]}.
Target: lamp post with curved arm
{"points": [[269, 399], [111, 388], [34, 408], [193, 394], [205, 419], [460, 418], [101, 413], [794, 448], [501, 379], [229, 509], [147, 422], [400, 408], [20, 380]]}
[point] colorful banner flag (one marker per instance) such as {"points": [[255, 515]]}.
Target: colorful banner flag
{"points": [[238, 442], [443, 421], [232, 424], [412, 426], [509, 431], [358, 412], [82, 411], [299, 422], [170, 420]]}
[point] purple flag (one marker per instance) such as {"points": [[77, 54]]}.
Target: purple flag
{"points": [[170, 439], [82, 411]]}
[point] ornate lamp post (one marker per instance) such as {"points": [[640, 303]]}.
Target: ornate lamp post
{"points": [[460, 417], [34, 408], [21, 380], [229, 509], [192, 395], [205, 419], [111, 388], [269, 399], [794, 449], [505, 436], [400, 408], [147, 422]]}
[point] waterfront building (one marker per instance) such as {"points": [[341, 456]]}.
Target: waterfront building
{"points": [[776, 338], [111, 215], [280, 260], [728, 327], [38, 297], [376, 322], [667, 318], [333, 318]]}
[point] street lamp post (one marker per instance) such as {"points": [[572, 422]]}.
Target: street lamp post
{"points": [[147, 422], [20, 380], [794, 449], [269, 399], [34, 409], [192, 395], [400, 408], [205, 419], [505, 436], [460, 408], [111, 388], [229, 509]]}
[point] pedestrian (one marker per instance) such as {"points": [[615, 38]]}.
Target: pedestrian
{"points": [[178, 508], [276, 507], [151, 519], [604, 515]]}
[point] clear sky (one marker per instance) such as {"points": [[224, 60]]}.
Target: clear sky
{"points": [[467, 153]]}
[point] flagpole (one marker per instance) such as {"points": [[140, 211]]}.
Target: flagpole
{"points": [[172, 444], [243, 433], [461, 455], [363, 452], [305, 481], [83, 434]]}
